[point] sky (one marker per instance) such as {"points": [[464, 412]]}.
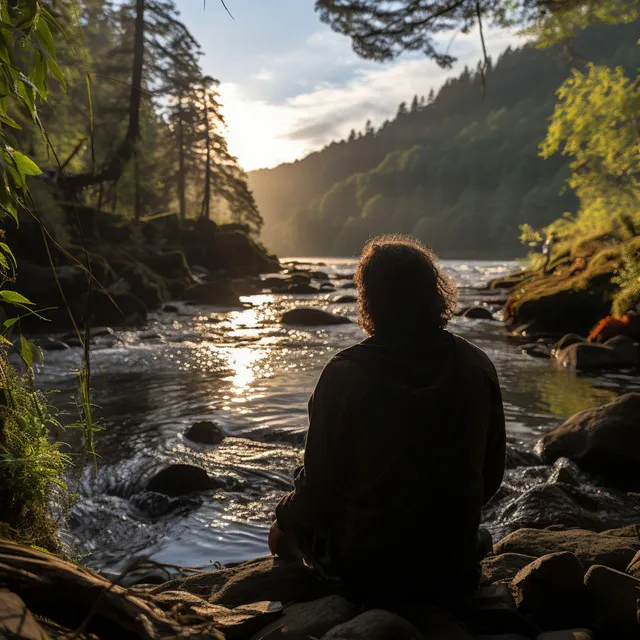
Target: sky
{"points": [[290, 85]]}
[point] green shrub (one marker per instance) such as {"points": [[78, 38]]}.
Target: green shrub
{"points": [[31, 466]]}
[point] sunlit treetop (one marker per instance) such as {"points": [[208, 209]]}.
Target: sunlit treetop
{"points": [[383, 29]]}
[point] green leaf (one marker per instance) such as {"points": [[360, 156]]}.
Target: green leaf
{"points": [[26, 165], [5, 341], [4, 263], [44, 35], [9, 121], [30, 352], [57, 73], [13, 297], [10, 322], [5, 247]]}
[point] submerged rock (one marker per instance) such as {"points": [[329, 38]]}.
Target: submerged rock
{"points": [[477, 313], [604, 441], [567, 340], [205, 432], [181, 479], [154, 504], [312, 317], [302, 288], [551, 591]]}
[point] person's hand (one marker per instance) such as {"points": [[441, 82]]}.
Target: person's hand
{"points": [[276, 535]]}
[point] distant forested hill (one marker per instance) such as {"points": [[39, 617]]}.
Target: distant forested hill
{"points": [[459, 172]]}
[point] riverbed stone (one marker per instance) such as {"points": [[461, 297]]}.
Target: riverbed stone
{"points": [[311, 619], [477, 313], [378, 624], [590, 547], [550, 590], [536, 350], [205, 432], [567, 340], [312, 317], [586, 356], [503, 567], [604, 440], [613, 598], [181, 479], [345, 300], [302, 288]]}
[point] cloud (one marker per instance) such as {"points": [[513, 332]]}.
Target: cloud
{"points": [[264, 75], [328, 92]]}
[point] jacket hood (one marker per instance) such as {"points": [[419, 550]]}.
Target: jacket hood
{"points": [[407, 361]]}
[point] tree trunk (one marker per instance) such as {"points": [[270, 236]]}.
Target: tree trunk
{"points": [[114, 167], [137, 203], [182, 179], [206, 200]]}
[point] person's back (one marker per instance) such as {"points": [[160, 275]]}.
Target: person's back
{"points": [[406, 442]]}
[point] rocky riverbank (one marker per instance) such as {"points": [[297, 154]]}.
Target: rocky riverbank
{"points": [[135, 267]]}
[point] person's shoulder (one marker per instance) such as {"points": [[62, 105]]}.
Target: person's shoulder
{"points": [[345, 363], [474, 356]]}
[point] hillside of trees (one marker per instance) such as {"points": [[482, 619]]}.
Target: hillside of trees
{"points": [[459, 169]]}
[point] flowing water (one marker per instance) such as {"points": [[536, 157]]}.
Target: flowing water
{"points": [[253, 376]]}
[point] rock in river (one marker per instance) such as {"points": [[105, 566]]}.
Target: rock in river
{"points": [[217, 292], [586, 356], [477, 313], [181, 479], [345, 299], [604, 441], [205, 432], [312, 317]]}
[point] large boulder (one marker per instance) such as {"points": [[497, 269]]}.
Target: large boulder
{"points": [[613, 598], [181, 479], [551, 591], [604, 441], [117, 309], [587, 356], [377, 624], [217, 292], [591, 548], [312, 317]]}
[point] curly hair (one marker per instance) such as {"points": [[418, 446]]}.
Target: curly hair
{"points": [[401, 288]]}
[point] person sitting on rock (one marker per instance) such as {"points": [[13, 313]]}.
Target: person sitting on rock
{"points": [[406, 443]]}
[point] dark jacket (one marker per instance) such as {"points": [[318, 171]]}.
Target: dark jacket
{"points": [[406, 443]]}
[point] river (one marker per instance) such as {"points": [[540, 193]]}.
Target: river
{"points": [[253, 376]]}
